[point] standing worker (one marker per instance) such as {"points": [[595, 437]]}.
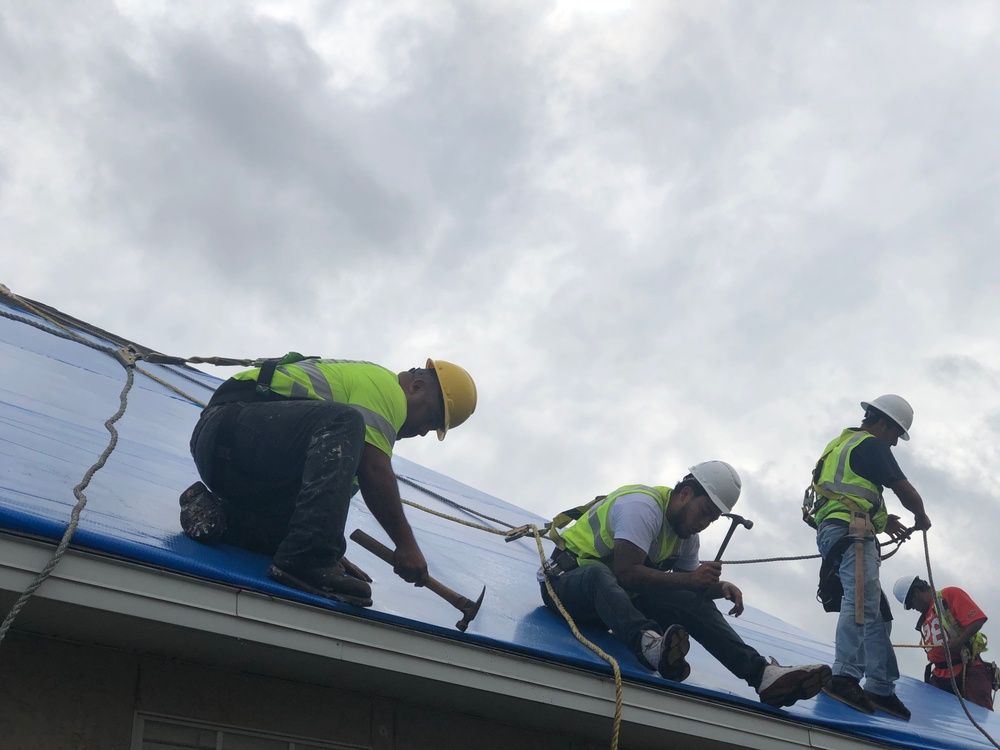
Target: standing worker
{"points": [[960, 634], [849, 511], [630, 564], [282, 449]]}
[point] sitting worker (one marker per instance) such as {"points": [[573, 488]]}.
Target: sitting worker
{"points": [[630, 564], [282, 449], [960, 634], [849, 511]]}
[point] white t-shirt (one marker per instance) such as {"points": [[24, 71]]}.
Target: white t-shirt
{"points": [[637, 518]]}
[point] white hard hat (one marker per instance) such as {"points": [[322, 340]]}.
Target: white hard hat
{"points": [[720, 481], [902, 587], [895, 407]]}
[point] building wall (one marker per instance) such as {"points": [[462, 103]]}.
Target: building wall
{"points": [[56, 695]]}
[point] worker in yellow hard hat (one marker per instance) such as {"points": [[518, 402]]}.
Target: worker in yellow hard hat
{"points": [[282, 448]]}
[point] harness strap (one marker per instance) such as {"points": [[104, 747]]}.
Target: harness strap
{"points": [[567, 517]]}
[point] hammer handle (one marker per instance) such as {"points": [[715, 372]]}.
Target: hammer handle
{"points": [[384, 553]]}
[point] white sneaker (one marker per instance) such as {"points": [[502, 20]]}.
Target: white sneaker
{"points": [[665, 653], [652, 648], [783, 686]]}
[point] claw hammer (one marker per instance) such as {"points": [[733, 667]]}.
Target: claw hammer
{"points": [[466, 606], [736, 521]]}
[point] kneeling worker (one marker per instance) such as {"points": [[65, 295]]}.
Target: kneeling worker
{"points": [[963, 621], [282, 449], [630, 564]]}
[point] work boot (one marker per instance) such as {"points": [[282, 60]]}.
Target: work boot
{"points": [[889, 704], [665, 653], [783, 686], [847, 690], [203, 514], [329, 582]]}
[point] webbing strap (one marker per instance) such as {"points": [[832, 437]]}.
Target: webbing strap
{"points": [[566, 517]]}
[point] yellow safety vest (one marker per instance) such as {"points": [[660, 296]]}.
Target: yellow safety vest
{"points": [[841, 489], [370, 389], [590, 537]]}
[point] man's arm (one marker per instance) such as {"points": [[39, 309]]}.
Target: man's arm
{"points": [[912, 501], [956, 644], [634, 576], [380, 491]]}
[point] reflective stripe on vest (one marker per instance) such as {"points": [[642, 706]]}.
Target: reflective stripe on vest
{"points": [[590, 538], [840, 486], [320, 388]]}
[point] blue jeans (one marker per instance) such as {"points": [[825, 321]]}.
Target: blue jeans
{"points": [[861, 650], [593, 596]]}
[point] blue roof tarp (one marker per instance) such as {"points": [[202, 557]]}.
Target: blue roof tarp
{"points": [[55, 395]]}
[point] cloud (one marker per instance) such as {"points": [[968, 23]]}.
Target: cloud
{"points": [[654, 234]]}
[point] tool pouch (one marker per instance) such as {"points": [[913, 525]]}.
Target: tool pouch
{"points": [[830, 590]]}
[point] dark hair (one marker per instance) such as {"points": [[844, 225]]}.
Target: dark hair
{"points": [[690, 481]]}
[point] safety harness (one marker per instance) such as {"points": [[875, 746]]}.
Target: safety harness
{"points": [[970, 651], [233, 395], [830, 591]]}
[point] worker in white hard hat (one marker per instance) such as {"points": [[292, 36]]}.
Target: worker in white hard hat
{"points": [[282, 448], [630, 564], [848, 512], [961, 633]]}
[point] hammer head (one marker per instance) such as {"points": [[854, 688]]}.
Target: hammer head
{"points": [[745, 523], [469, 610]]}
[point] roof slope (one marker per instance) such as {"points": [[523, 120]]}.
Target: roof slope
{"points": [[55, 395]]}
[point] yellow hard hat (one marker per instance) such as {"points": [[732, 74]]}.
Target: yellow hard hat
{"points": [[458, 391]]}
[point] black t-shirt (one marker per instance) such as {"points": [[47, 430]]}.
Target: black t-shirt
{"points": [[873, 460]]}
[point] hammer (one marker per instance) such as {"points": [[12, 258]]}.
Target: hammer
{"points": [[467, 607], [736, 521]]}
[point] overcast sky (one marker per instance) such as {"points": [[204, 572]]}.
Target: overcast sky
{"points": [[655, 233]]}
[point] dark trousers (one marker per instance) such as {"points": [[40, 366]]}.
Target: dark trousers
{"points": [[592, 595], [974, 683], [287, 475]]}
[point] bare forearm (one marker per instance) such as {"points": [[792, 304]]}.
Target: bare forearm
{"points": [[911, 500], [387, 508], [380, 491], [959, 641]]}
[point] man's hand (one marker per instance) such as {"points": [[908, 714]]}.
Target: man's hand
{"points": [[921, 521], [705, 575], [409, 564], [733, 594]]}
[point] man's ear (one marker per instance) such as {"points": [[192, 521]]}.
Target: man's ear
{"points": [[416, 385]]}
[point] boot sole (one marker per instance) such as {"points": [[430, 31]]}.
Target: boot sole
{"points": [[808, 685], [879, 707], [202, 516], [277, 574], [865, 709], [676, 645]]}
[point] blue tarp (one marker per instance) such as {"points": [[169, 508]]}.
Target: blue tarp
{"points": [[55, 395]]}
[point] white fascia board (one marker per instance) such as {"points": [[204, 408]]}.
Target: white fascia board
{"points": [[124, 588]]}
